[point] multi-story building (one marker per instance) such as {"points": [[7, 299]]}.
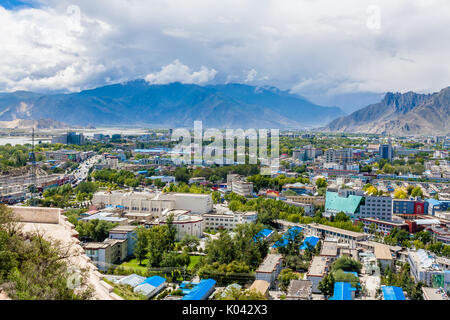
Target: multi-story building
{"points": [[425, 268], [341, 235], [329, 250], [341, 156], [376, 207], [358, 205], [440, 233], [269, 269], [436, 205], [185, 223], [299, 188], [106, 254], [307, 199], [69, 138], [407, 206], [154, 203], [242, 188], [383, 226], [228, 220], [330, 156], [127, 232], [386, 152], [308, 208], [317, 270]]}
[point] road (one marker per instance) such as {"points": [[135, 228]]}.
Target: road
{"points": [[81, 173]]}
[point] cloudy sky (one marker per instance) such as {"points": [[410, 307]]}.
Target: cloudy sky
{"points": [[311, 47]]}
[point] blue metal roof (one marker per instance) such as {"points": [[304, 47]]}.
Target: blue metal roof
{"points": [[342, 291], [264, 233], [392, 293], [309, 240], [155, 281], [200, 291], [290, 234]]}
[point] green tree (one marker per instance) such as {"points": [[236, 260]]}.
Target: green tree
{"points": [[285, 277], [158, 244], [417, 192], [234, 293], [346, 263], [172, 231], [341, 216], [141, 247], [321, 183], [326, 285], [400, 194]]}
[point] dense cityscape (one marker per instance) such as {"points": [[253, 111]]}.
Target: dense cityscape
{"points": [[198, 159], [342, 217]]}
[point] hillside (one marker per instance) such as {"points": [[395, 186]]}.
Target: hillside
{"points": [[138, 103], [397, 113]]}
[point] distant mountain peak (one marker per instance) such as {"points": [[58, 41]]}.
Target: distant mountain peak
{"points": [[139, 103], [400, 113]]}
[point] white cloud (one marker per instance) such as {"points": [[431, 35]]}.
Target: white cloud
{"points": [[46, 50], [304, 45], [178, 72], [251, 75]]}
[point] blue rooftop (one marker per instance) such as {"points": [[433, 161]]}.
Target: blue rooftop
{"points": [[434, 202], [393, 293], [312, 241], [264, 233], [155, 281], [200, 290], [290, 234], [342, 291]]}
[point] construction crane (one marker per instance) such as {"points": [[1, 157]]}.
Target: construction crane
{"points": [[33, 188]]}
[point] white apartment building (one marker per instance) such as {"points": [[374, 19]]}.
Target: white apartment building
{"points": [[228, 220], [317, 270], [425, 268], [184, 222], [242, 188], [155, 203], [269, 269], [238, 185]]}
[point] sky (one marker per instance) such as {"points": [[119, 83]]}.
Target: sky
{"points": [[316, 48]]}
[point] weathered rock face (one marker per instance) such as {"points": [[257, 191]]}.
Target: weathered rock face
{"points": [[408, 113]]}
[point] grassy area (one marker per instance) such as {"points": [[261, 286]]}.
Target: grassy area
{"points": [[134, 265], [125, 291], [193, 262]]}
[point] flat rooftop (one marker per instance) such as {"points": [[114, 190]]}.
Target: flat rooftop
{"points": [[336, 230], [124, 228], [382, 252], [299, 289], [270, 263], [434, 294], [318, 266], [329, 248]]}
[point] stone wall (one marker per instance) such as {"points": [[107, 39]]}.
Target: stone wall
{"points": [[37, 214]]}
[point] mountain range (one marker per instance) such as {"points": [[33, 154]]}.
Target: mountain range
{"points": [[407, 113], [138, 103]]}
